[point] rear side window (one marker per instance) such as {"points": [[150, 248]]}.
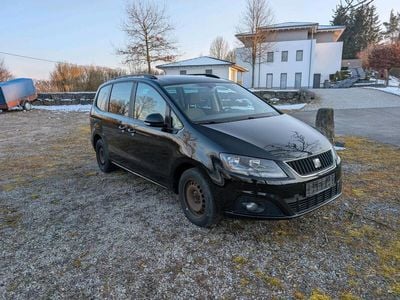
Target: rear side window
{"points": [[102, 98], [120, 98]]}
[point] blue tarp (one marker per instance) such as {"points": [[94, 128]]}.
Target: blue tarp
{"points": [[16, 90]]}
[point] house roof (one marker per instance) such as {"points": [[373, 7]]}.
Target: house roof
{"points": [[198, 61], [330, 27], [291, 25], [297, 25]]}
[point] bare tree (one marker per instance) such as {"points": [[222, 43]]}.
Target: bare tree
{"points": [[72, 78], [231, 56], [219, 48], [148, 30], [44, 86], [5, 74], [257, 41]]}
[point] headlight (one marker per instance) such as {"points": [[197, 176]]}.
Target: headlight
{"points": [[252, 166], [336, 156]]}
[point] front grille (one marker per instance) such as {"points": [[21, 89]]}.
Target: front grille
{"points": [[307, 203], [306, 166]]}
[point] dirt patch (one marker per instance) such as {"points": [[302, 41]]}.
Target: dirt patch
{"points": [[68, 230]]}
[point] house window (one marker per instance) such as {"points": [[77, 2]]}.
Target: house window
{"points": [[270, 56], [297, 80], [269, 80], [283, 80], [299, 55], [208, 71], [182, 72], [284, 56]]}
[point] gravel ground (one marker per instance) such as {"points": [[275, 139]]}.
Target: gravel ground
{"points": [[69, 231], [353, 98]]}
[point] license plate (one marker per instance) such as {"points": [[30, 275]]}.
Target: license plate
{"points": [[319, 185]]}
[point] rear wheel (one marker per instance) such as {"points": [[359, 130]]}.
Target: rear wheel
{"points": [[103, 159], [197, 199], [27, 106]]}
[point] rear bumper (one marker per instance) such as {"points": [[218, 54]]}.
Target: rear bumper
{"points": [[281, 201]]}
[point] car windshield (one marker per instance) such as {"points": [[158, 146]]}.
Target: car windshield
{"points": [[218, 102]]}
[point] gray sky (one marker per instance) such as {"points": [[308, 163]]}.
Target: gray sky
{"points": [[88, 32]]}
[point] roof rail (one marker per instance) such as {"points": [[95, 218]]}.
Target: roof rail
{"points": [[148, 76], [207, 75]]}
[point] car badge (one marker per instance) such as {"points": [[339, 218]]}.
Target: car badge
{"points": [[317, 163]]}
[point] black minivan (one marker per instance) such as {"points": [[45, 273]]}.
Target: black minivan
{"points": [[216, 144]]}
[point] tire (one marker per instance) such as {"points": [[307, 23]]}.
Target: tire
{"points": [[197, 199], [27, 106], [103, 159]]}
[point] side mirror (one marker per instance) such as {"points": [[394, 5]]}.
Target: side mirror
{"points": [[155, 120]]}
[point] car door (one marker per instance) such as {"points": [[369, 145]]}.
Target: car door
{"points": [[120, 123], [153, 149]]}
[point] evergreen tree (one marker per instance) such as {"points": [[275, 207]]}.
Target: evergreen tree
{"points": [[340, 16], [362, 28], [392, 27]]}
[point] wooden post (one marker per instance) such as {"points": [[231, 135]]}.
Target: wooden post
{"points": [[325, 123]]}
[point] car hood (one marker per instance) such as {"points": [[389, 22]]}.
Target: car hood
{"points": [[281, 137]]}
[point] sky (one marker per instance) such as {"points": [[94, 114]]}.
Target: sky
{"points": [[89, 32]]}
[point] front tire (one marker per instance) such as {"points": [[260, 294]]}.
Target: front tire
{"points": [[102, 156], [197, 199]]}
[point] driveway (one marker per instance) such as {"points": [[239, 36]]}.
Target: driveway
{"points": [[360, 112], [357, 98]]}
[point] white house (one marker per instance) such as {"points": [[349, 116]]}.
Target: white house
{"points": [[205, 65], [299, 54]]}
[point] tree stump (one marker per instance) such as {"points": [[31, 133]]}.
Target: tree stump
{"points": [[325, 123]]}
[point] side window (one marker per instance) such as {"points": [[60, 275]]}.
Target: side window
{"points": [[148, 101], [120, 98], [102, 98], [176, 123], [209, 71]]}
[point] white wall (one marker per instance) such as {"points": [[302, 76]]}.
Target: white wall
{"points": [[325, 59], [220, 71], [277, 67], [328, 59]]}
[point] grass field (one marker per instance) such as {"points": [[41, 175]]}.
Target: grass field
{"points": [[69, 231]]}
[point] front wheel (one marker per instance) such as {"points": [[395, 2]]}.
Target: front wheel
{"points": [[197, 199]]}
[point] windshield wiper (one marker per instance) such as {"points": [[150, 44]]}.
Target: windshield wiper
{"points": [[207, 122]]}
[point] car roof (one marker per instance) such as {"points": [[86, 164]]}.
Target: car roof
{"points": [[164, 80]]}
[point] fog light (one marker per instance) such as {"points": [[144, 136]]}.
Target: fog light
{"points": [[253, 207]]}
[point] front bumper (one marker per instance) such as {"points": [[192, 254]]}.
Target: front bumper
{"points": [[276, 201]]}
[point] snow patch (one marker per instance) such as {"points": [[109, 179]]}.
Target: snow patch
{"points": [[390, 89], [65, 108], [337, 148], [290, 106]]}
